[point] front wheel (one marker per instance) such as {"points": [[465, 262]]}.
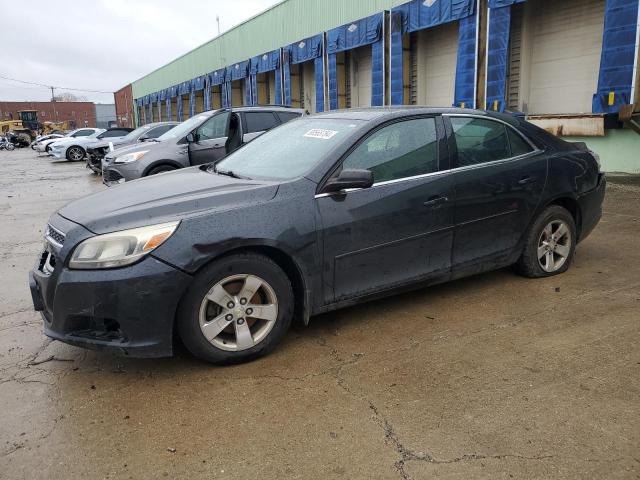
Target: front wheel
{"points": [[549, 244], [161, 169], [237, 309], [75, 154], [10, 147]]}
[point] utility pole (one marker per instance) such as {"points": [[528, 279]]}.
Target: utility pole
{"points": [[53, 103]]}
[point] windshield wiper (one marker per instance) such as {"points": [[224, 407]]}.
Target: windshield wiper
{"points": [[228, 173]]}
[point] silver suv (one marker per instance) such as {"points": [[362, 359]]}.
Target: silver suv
{"points": [[207, 137]]}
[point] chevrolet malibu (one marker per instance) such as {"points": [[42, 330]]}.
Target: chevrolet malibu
{"points": [[320, 213]]}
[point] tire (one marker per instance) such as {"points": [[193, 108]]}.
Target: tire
{"points": [[545, 255], [47, 149], [160, 169], [234, 273], [10, 147], [75, 153]]}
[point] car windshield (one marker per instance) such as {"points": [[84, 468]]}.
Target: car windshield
{"points": [[134, 134], [288, 151], [183, 128]]}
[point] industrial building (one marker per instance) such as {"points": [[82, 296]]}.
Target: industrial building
{"points": [[76, 114], [570, 66]]}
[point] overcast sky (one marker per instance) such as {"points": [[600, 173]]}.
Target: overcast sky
{"points": [[104, 44]]}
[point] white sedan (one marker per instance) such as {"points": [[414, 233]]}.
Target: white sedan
{"points": [[43, 146], [75, 149]]}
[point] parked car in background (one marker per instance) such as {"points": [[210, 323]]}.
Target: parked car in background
{"points": [[150, 131], [323, 212], [75, 149], [45, 145], [205, 138], [44, 138]]}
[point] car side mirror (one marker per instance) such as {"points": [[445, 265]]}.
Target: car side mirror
{"points": [[349, 178], [192, 137], [143, 138]]}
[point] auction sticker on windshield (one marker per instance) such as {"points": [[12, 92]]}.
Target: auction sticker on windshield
{"points": [[320, 133]]}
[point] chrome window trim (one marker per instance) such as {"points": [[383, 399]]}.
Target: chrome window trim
{"points": [[535, 151]]}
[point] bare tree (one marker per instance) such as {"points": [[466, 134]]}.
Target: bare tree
{"points": [[69, 97]]}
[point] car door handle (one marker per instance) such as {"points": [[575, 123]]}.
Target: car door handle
{"points": [[527, 180], [435, 201]]}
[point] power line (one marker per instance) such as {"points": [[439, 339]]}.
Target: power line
{"points": [[53, 86]]}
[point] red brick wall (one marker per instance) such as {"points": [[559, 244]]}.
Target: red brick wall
{"points": [[124, 107], [79, 114]]}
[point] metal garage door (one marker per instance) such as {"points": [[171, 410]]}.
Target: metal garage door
{"points": [[361, 77], [566, 42], [436, 56]]}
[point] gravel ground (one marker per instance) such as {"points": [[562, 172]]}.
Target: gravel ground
{"points": [[493, 376]]}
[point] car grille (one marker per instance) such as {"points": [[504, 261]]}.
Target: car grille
{"points": [[55, 236], [111, 175]]}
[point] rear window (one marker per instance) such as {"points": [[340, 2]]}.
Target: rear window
{"points": [[260, 121], [287, 116]]}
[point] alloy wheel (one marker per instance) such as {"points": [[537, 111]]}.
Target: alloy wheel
{"points": [[238, 312], [76, 154], [554, 246]]}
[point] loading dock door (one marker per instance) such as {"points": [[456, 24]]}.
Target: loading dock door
{"points": [[307, 72], [565, 45], [360, 77], [436, 57]]}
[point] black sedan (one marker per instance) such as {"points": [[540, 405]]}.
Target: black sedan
{"points": [[322, 212]]}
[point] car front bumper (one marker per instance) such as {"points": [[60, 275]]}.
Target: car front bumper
{"points": [[114, 174], [57, 153], [129, 309]]}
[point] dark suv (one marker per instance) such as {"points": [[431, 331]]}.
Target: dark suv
{"points": [[150, 131], [204, 138]]}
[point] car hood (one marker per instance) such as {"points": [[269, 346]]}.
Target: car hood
{"points": [[117, 142], [163, 198], [133, 148]]}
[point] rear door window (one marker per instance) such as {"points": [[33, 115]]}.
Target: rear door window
{"points": [[287, 116], [479, 140], [157, 131], [518, 144], [400, 150], [83, 133], [260, 121]]}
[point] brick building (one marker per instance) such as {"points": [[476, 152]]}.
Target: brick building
{"points": [[124, 107], [78, 114]]}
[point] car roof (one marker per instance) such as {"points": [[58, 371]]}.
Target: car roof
{"points": [[383, 113]]}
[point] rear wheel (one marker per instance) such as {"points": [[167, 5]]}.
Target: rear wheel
{"points": [[237, 309], [10, 146], [75, 153], [549, 244], [161, 169]]}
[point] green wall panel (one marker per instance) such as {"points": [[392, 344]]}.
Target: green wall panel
{"points": [[618, 150], [282, 24]]}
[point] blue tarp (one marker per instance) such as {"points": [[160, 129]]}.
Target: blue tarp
{"points": [[198, 82], [498, 57], [192, 99], [173, 91], [237, 71], [362, 32], [266, 62], [184, 87], [207, 93], [226, 94], [418, 14], [466, 75], [377, 73], [163, 94], [396, 60], [168, 107], [305, 50], [618, 56], [308, 49], [286, 73], [145, 100], [217, 77], [179, 114], [355, 34], [503, 3], [318, 65], [247, 92], [139, 102]]}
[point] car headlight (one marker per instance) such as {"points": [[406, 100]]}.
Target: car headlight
{"points": [[120, 248], [130, 157]]}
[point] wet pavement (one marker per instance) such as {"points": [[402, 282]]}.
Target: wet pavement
{"points": [[493, 376]]}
